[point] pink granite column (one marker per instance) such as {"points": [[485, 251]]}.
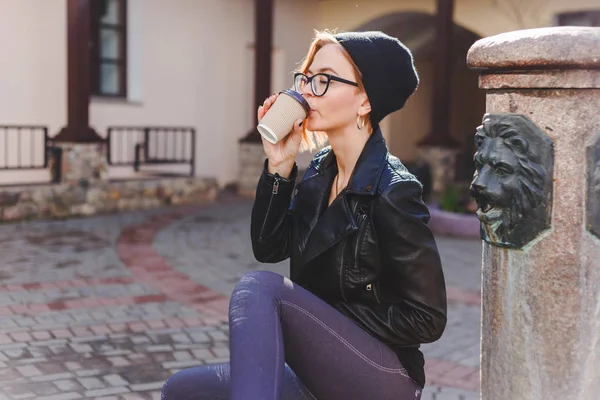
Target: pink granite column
{"points": [[537, 186]]}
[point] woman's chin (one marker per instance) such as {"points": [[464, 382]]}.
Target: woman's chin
{"points": [[314, 127], [311, 123]]}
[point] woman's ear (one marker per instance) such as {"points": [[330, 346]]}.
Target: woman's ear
{"points": [[365, 106]]}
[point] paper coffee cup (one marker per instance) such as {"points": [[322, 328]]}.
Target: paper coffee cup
{"points": [[289, 107]]}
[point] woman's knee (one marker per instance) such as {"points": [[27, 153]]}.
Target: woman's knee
{"points": [[255, 289], [206, 382], [180, 385], [175, 387], [260, 282]]}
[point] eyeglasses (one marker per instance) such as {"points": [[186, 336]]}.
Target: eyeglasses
{"points": [[319, 83]]}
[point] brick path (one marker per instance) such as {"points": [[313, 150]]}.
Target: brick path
{"points": [[108, 307]]}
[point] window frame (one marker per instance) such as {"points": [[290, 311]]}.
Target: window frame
{"points": [[96, 60], [563, 19]]}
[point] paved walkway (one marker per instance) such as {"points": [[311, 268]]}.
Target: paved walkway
{"points": [[109, 307]]}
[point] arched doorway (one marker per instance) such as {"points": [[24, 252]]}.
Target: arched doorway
{"points": [[405, 128]]}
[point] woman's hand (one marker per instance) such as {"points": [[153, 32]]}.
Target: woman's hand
{"points": [[281, 155]]}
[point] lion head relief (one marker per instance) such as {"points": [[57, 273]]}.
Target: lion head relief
{"points": [[513, 172]]}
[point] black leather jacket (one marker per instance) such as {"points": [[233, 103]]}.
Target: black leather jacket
{"points": [[369, 254]]}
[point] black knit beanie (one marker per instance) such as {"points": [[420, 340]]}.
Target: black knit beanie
{"points": [[387, 68]]}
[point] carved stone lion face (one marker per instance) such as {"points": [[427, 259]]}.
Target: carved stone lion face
{"points": [[509, 180]]}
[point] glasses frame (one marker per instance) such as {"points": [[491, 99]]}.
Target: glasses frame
{"points": [[329, 79]]}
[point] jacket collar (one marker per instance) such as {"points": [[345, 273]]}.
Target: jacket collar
{"points": [[322, 230], [369, 166]]}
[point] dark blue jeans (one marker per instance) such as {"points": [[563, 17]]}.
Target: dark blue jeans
{"points": [[273, 322]]}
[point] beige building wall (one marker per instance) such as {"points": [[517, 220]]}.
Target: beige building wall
{"points": [[188, 69], [484, 17], [33, 78], [191, 63], [33, 65], [412, 123]]}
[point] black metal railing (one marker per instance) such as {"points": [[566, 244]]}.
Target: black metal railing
{"points": [[23, 147], [139, 145]]}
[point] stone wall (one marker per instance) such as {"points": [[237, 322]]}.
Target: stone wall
{"points": [[442, 163], [82, 163], [67, 200], [252, 158]]}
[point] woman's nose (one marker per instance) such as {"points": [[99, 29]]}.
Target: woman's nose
{"points": [[306, 90]]}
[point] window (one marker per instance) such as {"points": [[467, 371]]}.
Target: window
{"points": [[580, 18], [108, 50]]}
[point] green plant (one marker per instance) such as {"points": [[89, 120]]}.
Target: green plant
{"points": [[453, 200]]}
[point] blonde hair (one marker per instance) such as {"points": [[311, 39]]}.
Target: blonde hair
{"points": [[312, 140]]}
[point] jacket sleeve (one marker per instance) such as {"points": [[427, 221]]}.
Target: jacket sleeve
{"points": [[411, 260], [270, 224]]}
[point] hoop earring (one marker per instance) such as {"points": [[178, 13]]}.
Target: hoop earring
{"points": [[360, 122]]}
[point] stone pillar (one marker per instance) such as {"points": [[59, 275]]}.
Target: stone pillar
{"points": [[82, 164], [251, 154], [441, 104], [79, 153], [442, 165], [252, 158], [78, 74], [264, 14], [439, 149], [537, 187]]}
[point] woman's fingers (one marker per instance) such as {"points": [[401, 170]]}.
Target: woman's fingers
{"points": [[298, 125], [260, 113], [262, 110], [296, 134], [270, 100]]}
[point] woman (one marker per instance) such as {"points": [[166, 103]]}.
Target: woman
{"points": [[366, 285]]}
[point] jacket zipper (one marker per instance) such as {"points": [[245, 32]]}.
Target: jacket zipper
{"points": [[370, 287], [373, 287], [273, 193], [361, 222], [342, 272], [342, 265]]}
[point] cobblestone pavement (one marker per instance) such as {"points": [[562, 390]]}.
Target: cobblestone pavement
{"points": [[109, 307]]}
